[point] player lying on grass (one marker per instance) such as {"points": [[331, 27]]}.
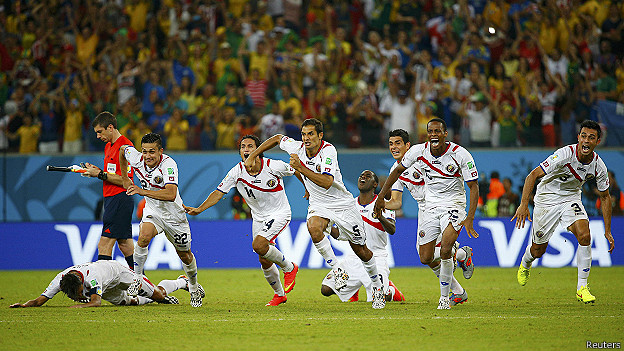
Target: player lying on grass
{"points": [[377, 230], [90, 283], [558, 201], [263, 190]]}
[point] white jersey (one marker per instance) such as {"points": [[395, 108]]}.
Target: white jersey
{"points": [[565, 176], [414, 180], [98, 277], [324, 162], [376, 236], [166, 172], [445, 175], [264, 192]]}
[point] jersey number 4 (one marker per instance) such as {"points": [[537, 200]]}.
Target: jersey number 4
{"points": [[249, 192]]}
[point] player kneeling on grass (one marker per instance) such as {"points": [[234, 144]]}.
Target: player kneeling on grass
{"points": [[90, 283], [377, 230], [163, 212], [558, 201], [262, 189]]}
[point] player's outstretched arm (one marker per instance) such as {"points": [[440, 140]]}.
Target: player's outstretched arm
{"points": [[126, 182], [605, 207], [32, 303], [96, 301], [472, 209], [388, 224], [210, 201], [266, 145], [396, 200], [306, 195], [380, 203], [522, 212], [325, 181]]}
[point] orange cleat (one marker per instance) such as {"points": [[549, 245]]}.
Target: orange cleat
{"points": [[289, 279], [355, 297], [277, 300], [398, 296]]}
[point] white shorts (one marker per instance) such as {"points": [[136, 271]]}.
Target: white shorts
{"points": [[435, 220], [546, 219], [118, 294], [348, 220], [358, 277], [271, 227], [177, 232]]}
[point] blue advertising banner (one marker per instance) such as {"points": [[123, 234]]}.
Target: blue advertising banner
{"points": [[227, 244]]}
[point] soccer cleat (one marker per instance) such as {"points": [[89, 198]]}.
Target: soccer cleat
{"points": [[277, 300], [466, 265], [523, 275], [379, 298], [169, 300], [444, 303], [196, 298], [583, 295], [355, 297], [398, 296], [340, 278], [135, 287], [199, 287], [289, 279], [457, 299]]}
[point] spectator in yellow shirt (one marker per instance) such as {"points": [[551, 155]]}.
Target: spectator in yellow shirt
{"points": [[72, 140], [176, 131], [28, 135]]}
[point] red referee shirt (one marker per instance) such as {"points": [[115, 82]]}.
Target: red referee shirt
{"points": [[111, 165]]}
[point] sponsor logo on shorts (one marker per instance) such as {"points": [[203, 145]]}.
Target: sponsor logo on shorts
{"points": [[318, 168], [158, 179], [450, 168], [421, 234], [539, 234], [271, 183]]}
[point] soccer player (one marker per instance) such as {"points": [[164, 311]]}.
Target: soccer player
{"points": [[118, 206], [90, 283], [163, 212], [377, 230], [558, 201], [446, 166], [263, 190], [330, 201], [413, 180]]}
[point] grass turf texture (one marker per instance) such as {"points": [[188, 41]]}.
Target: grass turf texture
{"points": [[499, 314]]}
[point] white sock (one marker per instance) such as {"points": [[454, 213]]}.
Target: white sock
{"points": [[143, 300], [172, 285], [436, 254], [446, 275], [583, 261], [276, 256], [140, 256], [325, 249], [436, 270], [460, 255], [527, 258], [191, 273], [455, 286], [272, 276], [371, 269]]}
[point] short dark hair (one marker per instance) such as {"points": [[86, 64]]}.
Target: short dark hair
{"points": [[495, 175], [70, 284], [400, 133], [152, 138], [255, 139], [104, 119], [318, 125], [375, 177], [591, 125], [437, 120]]}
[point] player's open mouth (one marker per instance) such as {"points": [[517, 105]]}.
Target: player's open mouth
{"points": [[435, 142], [585, 147]]}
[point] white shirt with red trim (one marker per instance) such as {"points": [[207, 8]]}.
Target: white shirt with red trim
{"points": [[444, 175], [166, 172], [376, 236], [325, 162], [565, 176], [98, 277], [414, 180], [264, 192]]}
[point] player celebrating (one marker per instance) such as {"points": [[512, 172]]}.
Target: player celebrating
{"points": [[377, 230], [90, 283], [262, 189], [413, 180], [558, 201], [330, 201], [158, 174], [118, 206], [446, 165]]}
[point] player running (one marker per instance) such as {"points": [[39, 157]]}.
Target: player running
{"points": [[263, 190], [377, 230], [90, 283], [446, 166], [558, 201], [413, 180], [330, 201], [163, 212]]}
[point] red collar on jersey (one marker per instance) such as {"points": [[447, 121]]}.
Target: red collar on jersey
{"points": [[359, 203], [575, 150]]}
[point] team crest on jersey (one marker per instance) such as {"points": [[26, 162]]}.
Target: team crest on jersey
{"points": [[416, 175], [539, 234], [318, 168], [158, 179], [421, 234], [271, 183], [450, 168]]}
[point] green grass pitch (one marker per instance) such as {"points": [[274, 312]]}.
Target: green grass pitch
{"points": [[499, 315]]}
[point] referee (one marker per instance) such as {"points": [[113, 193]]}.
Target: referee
{"points": [[118, 206]]}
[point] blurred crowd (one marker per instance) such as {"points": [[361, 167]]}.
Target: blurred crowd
{"points": [[203, 73]]}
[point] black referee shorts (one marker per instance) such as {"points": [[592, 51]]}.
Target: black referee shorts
{"points": [[118, 216]]}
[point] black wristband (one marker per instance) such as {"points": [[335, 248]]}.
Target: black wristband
{"points": [[102, 175]]}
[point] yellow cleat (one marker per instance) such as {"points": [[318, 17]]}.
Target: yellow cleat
{"points": [[583, 295], [523, 275]]}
